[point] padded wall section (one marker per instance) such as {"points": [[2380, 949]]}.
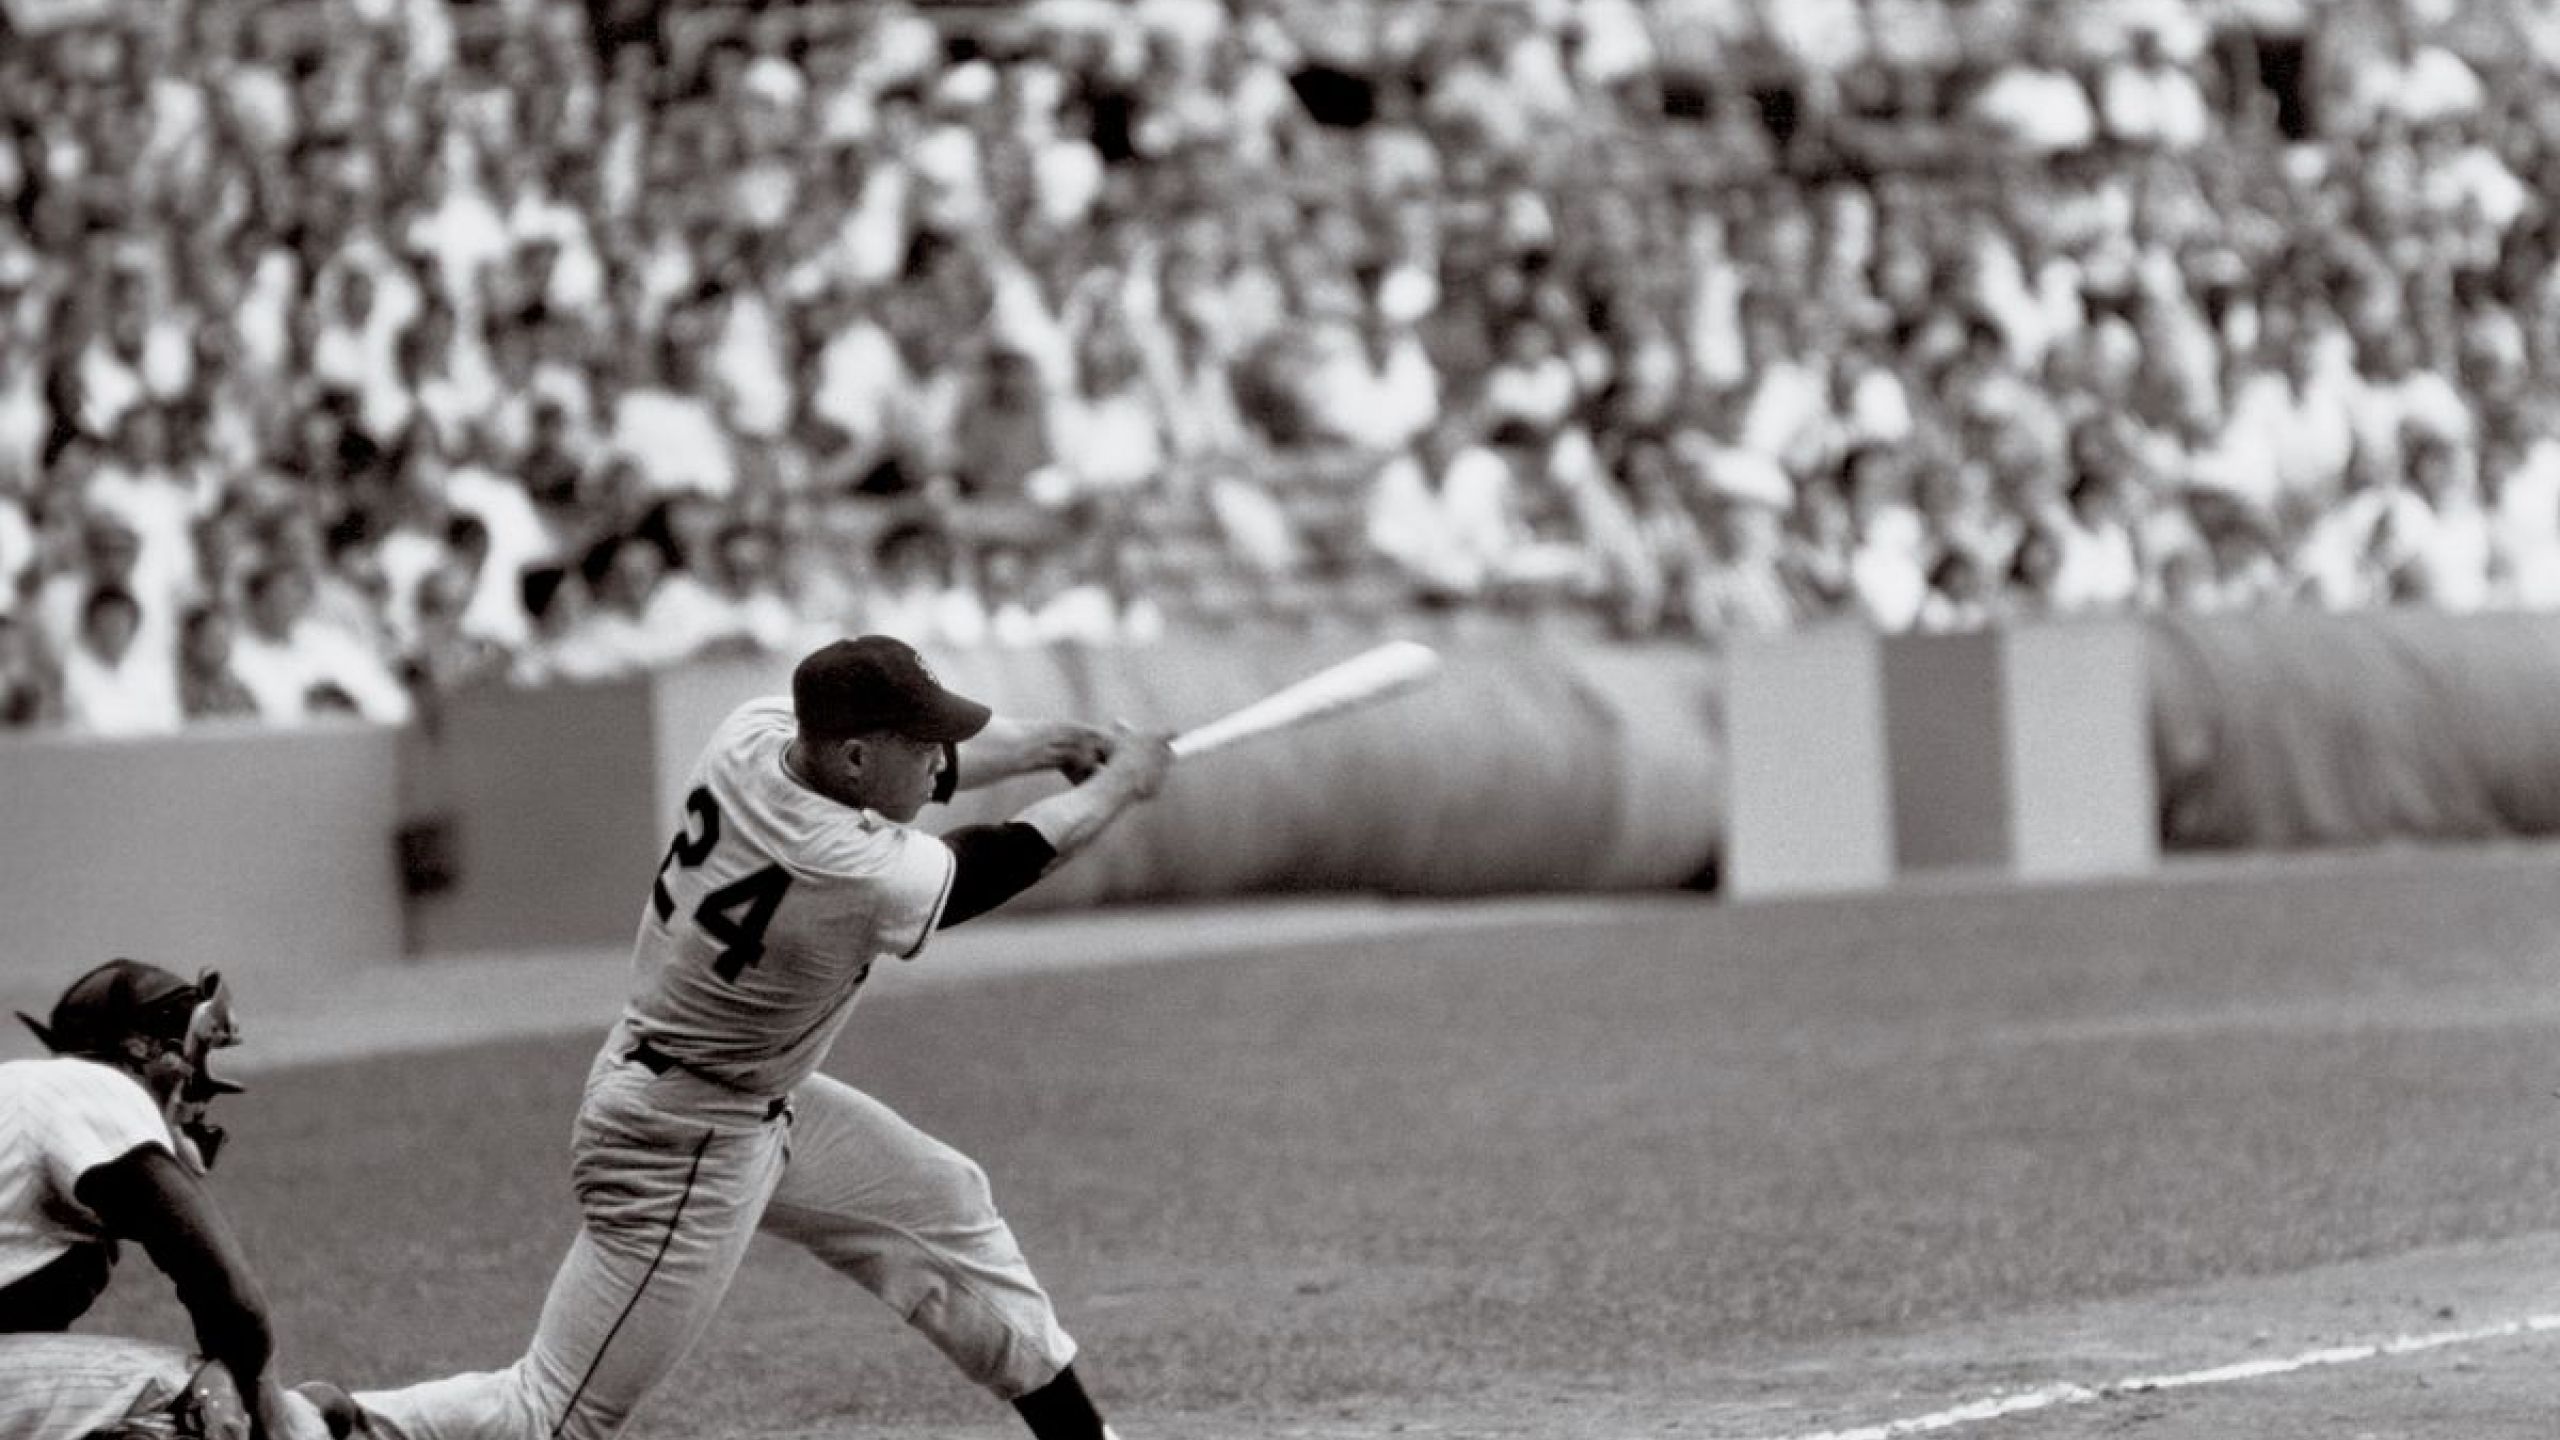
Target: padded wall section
{"points": [[2022, 750], [2082, 800], [2303, 729], [1947, 739], [1665, 713], [545, 802], [1810, 795], [239, 849], [1536, 768], [1540, 767], [684, 707], [2019, 751]]}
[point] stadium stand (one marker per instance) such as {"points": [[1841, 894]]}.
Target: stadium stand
{"points": [[355, 351]]}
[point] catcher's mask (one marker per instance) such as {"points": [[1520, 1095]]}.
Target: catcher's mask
{"points": [[180, 1022]]}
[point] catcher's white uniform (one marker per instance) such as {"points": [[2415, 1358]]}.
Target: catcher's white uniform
{"points": [[64, 1387], [70, 1387], [60, 1118], [705, 1118]]}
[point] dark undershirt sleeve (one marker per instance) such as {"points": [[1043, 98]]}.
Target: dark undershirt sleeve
{"points": [[995, 863]]}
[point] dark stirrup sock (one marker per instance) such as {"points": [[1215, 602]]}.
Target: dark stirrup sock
{"points": [[1060, 1410]]}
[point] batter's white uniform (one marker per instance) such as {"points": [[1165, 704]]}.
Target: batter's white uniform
{"points": [[771, 906], [59, 1119]]}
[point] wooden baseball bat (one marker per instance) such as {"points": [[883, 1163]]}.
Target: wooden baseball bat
{"points": [[1364, 679]]}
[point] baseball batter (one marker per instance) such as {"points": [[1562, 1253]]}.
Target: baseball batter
{"points": [[103, 1142], [793, 869]]}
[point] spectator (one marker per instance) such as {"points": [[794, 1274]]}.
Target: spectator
{"points": [[20, 549], [2091, 561], [110, 685], [1007, 439], [1534, 385], [862, 383], [446, 657], [2243, 567], [667, 429], [110, 559], [350, 590], [2294, 423], [917, 593], [498, 533], [207, 688], [1959, 593], [1112, 430], [731, 603], [1444, 512], [626, 627], [296, 665], [1893, 562], [2150, 99], [1127, 258], [1747, 591], [818, 541], [2450, 558], [141, 484], [2036, 104], [1671, 544], [2036, 576], [30, 690], [747, 576], [132, 358], [25, 421], [1371, 384], [2528, 516], [555, 601]]}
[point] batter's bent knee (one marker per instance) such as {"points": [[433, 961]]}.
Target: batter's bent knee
{"points": [[957, 1189]]}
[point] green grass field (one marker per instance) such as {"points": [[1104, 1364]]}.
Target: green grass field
{"points": [[1713, 1169]]}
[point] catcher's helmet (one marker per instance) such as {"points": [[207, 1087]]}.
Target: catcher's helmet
{"points": [[113, 1001], [184, 1021], [125, 998]]}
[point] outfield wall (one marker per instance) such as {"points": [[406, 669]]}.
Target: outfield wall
{"points": [[2018, 752], [1532, 768], [518, 820], [2302, 729], [228, 847], [1844, 760]]}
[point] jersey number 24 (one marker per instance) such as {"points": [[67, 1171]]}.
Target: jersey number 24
{"points": [[736, 913]]}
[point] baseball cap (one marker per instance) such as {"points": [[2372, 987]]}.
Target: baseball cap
{"points": [[877, 683], [117, 999]]}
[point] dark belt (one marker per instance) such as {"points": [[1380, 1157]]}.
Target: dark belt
{"points": [[658, 1062]]}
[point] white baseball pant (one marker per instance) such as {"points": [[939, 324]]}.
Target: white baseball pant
{"points": [[674, 1175]]}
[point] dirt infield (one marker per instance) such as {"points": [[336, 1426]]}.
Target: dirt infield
{"points": [[1588, 1168]]}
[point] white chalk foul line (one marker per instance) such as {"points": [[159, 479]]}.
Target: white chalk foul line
{"points": [[2066, 1393]]}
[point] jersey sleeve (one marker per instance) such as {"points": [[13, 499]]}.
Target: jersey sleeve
{"points": [[918, 885], [88, 1115]]}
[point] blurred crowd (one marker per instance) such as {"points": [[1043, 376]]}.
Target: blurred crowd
{"points": [[354, 352]]}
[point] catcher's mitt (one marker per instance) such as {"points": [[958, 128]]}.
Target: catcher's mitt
{"points": [[208, 1407]]}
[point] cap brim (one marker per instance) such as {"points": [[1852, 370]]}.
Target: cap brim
{"points": [[949, 719]]}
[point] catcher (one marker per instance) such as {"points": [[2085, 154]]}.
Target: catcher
{"points": [[105, 1141]]}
